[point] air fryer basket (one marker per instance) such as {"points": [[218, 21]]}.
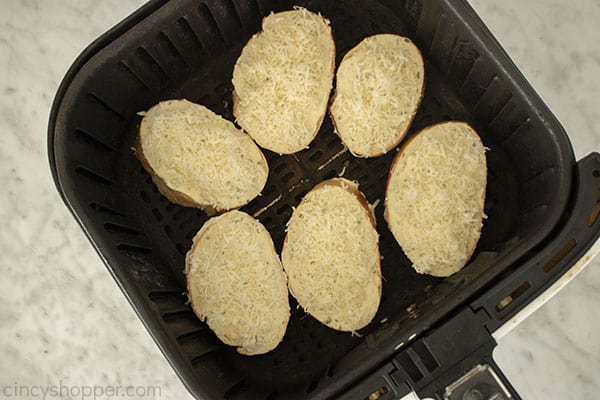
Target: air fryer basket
{"points": [[187, 49]]}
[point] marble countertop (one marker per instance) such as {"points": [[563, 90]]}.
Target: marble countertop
{"points": [[63, 320]]}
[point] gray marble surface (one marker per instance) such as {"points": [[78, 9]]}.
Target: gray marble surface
{"points": [[63, 320]]}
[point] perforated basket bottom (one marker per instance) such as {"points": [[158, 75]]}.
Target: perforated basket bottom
{"points": [[309, 348]]}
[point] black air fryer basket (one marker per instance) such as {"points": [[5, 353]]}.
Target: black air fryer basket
{"points": [[542, 206]]}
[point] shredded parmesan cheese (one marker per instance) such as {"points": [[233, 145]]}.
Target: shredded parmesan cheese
{"points": [[331, 257], [237, 284], [435, 197], [198, 153], [283, 78], [378, 89]]}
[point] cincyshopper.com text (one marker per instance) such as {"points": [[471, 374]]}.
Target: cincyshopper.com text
{"points": [[81, 392]]}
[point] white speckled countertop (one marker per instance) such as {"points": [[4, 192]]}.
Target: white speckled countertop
{"points": [[64, 321]]}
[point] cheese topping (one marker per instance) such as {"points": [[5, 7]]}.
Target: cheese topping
{"points": [[378, 90], [331, 257], [237, 283], [435, 197], [283, 78], [198, 153]]}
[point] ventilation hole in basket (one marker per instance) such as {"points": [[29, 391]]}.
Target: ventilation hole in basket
{"points": [[146, 58], [232, 10], [272, 396], [93, 176], [192, 336], [271, 157], [294, 348], [162, 198], [163, 294], [92, 141], [157, 214], [279, 168], [167, 43], [185, 223], [518, 131], [425, 119], [300, 196], [235, 390], [200, 358], [435, 102], [313, 385], [130, 248], [283, 210], [331, 174], [380, 168], [312, 335], [208, 16], [181, 249], [596, 173], [103, 104], [301, 358], [132, 75], [560, 255], [363, 178], [115, 228], [314, 157], [187, 30], [180, 213], [321, 345], [269, 190], [505, 302], [145, 197], [330, 371], [184, 312], [333, 143], [107, 210], [269, 6], [413, 9], [355, 169], [286, 178], [169, 232]]}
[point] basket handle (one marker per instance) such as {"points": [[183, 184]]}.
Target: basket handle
{"points": [[452, 362]]}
